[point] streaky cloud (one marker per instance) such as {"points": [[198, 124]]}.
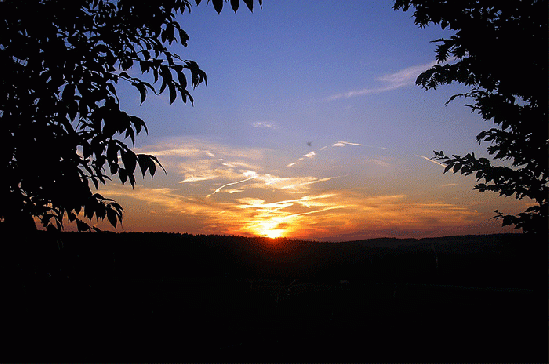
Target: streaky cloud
{"points": [[249, 174], [343, 143], [434, 161], [312, 154], [264, 124], [193, 179], [391, 81], [328, 213]]}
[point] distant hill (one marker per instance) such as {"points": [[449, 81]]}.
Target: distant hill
{"points": [[179, 297], [501, 260]]}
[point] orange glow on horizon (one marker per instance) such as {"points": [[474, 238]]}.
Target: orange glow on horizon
{"points": [[268, 228], [271, 211], [273, 234]]}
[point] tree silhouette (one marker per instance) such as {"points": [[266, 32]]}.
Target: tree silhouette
{"points": [[61, 123], [499, 49]]}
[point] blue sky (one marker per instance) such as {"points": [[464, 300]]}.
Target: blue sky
{"points": [[310, 126]]}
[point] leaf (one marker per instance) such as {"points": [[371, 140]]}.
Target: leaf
{"points": [[138, 124], [182, 79], [68, 93], [183, 36], [131, 134], [122, 175], [152, 167], [142, 160], [218, 5], [82, 226], [112, 152], [71, 216], [112, 217], [166, 77], [100, 211], [235, 4], [145, 65], [129, 159], [250, 4], [73, 109], [142, 90], [170, 30], [173, 93]]}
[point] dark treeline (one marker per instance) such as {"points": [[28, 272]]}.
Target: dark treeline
{"points": [[150, 296], [503, 260]]}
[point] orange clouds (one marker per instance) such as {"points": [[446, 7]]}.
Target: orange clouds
{"points": [[309, 216], [233, 191]]}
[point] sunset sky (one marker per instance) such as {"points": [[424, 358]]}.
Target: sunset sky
{"points": [[310, 127]]}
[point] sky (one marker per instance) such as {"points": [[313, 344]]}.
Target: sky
{"points": [[310, 127]]}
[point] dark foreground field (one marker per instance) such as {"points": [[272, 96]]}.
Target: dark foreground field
{"points": [[140, 297]]}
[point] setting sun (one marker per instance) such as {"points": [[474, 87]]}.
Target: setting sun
{"points": [[270, 228], [273, 234]]}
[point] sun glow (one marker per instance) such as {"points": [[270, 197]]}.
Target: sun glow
{"points": [[273, 234], [270, 228]]}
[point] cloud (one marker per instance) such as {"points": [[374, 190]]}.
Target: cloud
{"points": [[378, 162], [273, 183], [188, 148], [236, 164], [298, 184], [436, 162], [242, 191], [283, 217], [264, 124], [234, 191], [198, 170], [343, 143], [313, 214], [200, 160], [248, 174], [192, 178], [373, 146], [406, 76], [312, 154], [389, 82]]}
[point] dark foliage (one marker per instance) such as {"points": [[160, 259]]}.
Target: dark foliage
{"points": [[499, 49], [62, 129], [132, 296]]}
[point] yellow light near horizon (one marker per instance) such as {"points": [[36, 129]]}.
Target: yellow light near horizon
{"points": [[269, 228], [273, 234]]}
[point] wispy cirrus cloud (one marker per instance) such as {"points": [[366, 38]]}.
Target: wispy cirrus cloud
{"points": [[391, 81], [248, 174], [271, 182], [213, 169], [200, 161], [343, 143], [436, 162], [313, 214], [312, 154], [264, 124], [230, 190]]}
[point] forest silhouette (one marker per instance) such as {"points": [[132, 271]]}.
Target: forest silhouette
{"points": [[165, 296]]}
